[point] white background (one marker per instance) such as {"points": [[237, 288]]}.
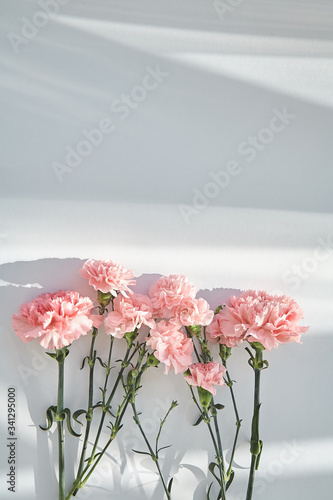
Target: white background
{"points": [[226, 74]]}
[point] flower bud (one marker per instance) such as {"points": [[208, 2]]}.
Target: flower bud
{"points": [[152, 361], [257, 346], [225, 352], [218, 309], [205, 398], [195, 329], [130, 337], [132, 376], [104, 299]]}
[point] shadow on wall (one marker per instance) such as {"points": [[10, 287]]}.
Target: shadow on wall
{"points": [[190, 126]]}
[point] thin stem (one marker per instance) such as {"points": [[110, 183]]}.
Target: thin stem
{"points": [[82, 480], [220, 458], [154, 455], [238, 422], [108, 366], [92, 359], [60, 426], [217, 444], [107, 405], [115, 429], [92, 462], [255, 443]]}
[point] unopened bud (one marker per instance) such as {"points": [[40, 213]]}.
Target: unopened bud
{"points": [[104, 299], [205, 398]]}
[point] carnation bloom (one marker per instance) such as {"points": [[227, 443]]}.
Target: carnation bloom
{"points": [[129, 313], [171, 346], [226, 328], [206, 375], [190, 312], [168, 292], [56, 319], [257, 316], [108, 276]]}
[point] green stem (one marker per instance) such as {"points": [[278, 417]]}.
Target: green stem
{"points": [[220, 458], [238, 422], [116, 427], [92, 462], [154, 455], [92, 359], [217, 444], [108, 367], [255, 443], [106, 405], [60, 426]]}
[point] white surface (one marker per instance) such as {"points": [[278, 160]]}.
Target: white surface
{"points": [[225, 79]]}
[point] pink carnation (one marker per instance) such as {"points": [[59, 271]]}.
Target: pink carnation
{"points": [[226, 328], [257, 316], [190, 312], [108, 276], [168, 292], [55, 318], [171, 346], [206, 375], [129, 313]]}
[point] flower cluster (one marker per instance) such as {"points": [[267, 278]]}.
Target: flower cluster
{"points": [[177, 327], [173, 298]]}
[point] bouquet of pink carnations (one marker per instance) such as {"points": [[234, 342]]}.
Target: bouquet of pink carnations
{"points": [[172, 326]]}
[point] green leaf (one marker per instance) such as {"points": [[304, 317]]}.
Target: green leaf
{"points": [[49, 417], [170, 485], [76, 414], [208, 492], [230, 480], [218, 406], [163, 448], [67, 412], [211, 468], [52, 355], [83, 361], [198, 421], [101, 362], [142, 452]]}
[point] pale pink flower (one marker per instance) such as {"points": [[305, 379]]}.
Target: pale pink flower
{"points": [[108, 276], [172, 347], [206, 375], [190, 312], [129, 313], [168, 292], [257, 316], [226, 328], [56, 319]]}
